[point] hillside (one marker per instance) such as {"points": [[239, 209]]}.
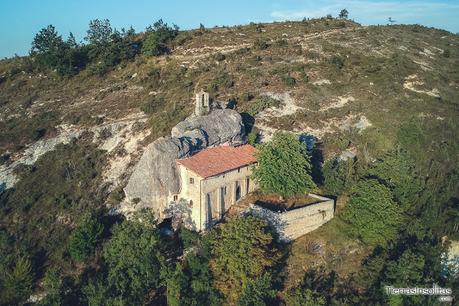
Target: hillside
{"points": [[70, 143]]}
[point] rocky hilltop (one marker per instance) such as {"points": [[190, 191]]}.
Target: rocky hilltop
{"points": [[351, 87]]}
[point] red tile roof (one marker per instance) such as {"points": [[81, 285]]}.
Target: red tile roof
{"points": [[216, 160]]}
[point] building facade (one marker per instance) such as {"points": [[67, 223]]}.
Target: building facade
{"points": [[213, 180]]}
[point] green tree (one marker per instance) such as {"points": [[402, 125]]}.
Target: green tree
{"points": [[51, 51], [176, 284], [97, 293], [344, 14], [85, 237], [157, 37], [242, 251], [133, 258], [396, 171], [375, 217], [48, 47], [338, 175], [190, 283], [188, 238], [284, 166], [55, 289], [16, 280], [406, 271], [99, 32]]}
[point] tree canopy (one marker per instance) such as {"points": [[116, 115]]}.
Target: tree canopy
{"points": [[284, 166], [85, 237], [242, 251], [375, 217], [133, 259], [158, 35], [343, 14]]}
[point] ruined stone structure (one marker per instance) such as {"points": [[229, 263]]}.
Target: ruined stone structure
{"points": [[297, 222], [213, 180], [202, 106]]}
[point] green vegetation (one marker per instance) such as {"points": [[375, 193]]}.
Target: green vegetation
{"points": [[372, 212], [284, 166], [338, 176], [304, 297], [131, 275], [157, 37], [106, 48], [260, 104], [16, 280], [242, 250], [85, 237]]}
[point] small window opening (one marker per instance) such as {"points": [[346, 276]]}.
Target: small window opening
{"points": [[191, 180]]}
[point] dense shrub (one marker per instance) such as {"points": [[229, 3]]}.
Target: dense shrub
{"points": [[304, 297], [338, 175], [288, 81], [85, 237], [260, 44], [375, 217], [222, 81], [260, 104], [15, 279], [337, 61]]}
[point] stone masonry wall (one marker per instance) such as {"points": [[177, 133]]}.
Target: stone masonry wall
{"points": [[297, 222]]}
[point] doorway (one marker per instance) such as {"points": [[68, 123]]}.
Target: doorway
{"points": [[238, 191], [222, 200]]}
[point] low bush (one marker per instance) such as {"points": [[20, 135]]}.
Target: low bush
{"points": [[289, 81], [260, 104]]}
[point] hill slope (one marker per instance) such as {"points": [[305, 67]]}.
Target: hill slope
{"points": [[69, 144]]}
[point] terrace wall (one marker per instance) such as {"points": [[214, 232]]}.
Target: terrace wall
{"points": [[298, 221]]}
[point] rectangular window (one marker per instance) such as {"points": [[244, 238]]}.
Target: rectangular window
{"points": [[191, 180], [175, 197], [238, 170]]}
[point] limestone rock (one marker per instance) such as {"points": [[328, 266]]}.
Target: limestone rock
{"points": [[221, 125], [155, 178]]}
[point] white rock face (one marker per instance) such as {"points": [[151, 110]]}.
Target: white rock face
{"points": [[109, 136], [33, 152], [155, 177]]}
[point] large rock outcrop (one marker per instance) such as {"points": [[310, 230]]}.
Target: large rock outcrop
{"points": [[155, 178]]}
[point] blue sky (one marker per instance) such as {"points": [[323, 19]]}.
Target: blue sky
{"points": [[21, 19]]}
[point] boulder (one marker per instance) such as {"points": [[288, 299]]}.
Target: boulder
{"points": [[155, 177], [220, 126]]}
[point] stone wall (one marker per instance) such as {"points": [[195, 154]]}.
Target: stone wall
{"points": [[299, 221], [219, 189]]}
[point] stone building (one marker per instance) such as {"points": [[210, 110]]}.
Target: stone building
{"points": [[214, 179]]}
